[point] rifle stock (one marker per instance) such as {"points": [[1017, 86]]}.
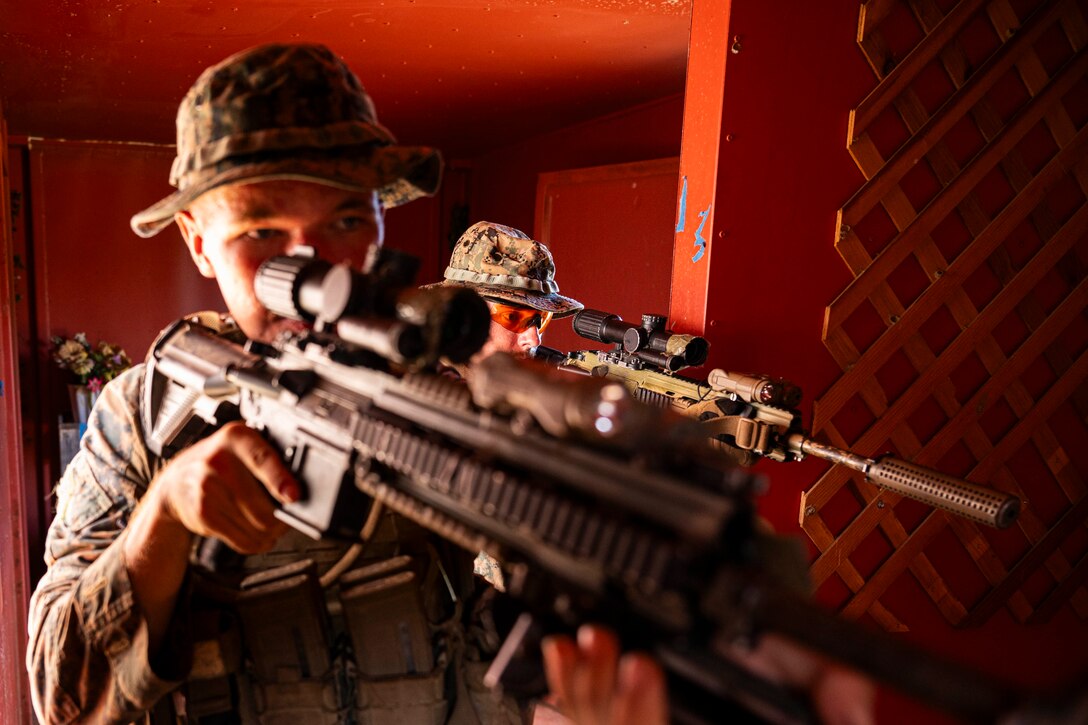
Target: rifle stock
{"points": [[600, 508]]}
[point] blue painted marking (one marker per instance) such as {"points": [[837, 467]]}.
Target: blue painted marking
{"points": [[700, 242], [1, 388], [683, 206]]}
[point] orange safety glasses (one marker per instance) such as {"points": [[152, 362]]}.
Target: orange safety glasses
{"points": [[518, 319]]}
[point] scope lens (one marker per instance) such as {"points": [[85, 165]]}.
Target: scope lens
{"points": [[696, 351]]}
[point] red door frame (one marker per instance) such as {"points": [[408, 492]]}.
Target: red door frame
{"points": [[708, 51], [14, 572]]}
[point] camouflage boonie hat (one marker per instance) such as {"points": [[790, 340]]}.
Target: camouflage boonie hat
{"points": [[286, 112], [503, 263]]}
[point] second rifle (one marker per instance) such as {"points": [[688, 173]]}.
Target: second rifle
{"points": [[754, 415]]}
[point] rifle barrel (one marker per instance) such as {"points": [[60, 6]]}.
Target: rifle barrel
{"points": [[963, 498]]}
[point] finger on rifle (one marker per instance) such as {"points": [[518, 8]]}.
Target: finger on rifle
{"points": [[262, 460], [200, 489], [238, 538], [840, 695], [594, 684], [252, 506], [257, 516], [641, 691], [560, 660]]}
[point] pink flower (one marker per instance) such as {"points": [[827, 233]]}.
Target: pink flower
{"points": [[95, 385]]}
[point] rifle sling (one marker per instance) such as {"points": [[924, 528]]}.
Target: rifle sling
{"points": [[747, 433]]}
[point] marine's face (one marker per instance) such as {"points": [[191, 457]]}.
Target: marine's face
{"points": [[515, 329], [517, 344], [232, 230]]}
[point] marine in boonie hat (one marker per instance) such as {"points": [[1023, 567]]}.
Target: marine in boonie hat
{"points": [[503, 263], [286, 112]]}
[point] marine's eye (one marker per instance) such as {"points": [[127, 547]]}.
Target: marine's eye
{"points": [[262, 234]]}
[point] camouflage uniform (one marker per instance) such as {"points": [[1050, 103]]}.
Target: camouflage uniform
{"points": [[88, 640]]}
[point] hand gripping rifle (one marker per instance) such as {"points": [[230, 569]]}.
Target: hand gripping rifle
{"points": [[601, 508], [753, 415]]}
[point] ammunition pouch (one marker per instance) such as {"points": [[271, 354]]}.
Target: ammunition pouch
{"points": [[406, 699], [286, 633], [383, 612], [280, 650], [273, 662]]}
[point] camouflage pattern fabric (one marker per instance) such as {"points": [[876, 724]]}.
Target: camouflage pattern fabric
{"points": [[279, 112], [488, 568], [504, 263], [87, 654]]}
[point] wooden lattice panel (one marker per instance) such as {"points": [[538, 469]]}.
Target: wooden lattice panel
{"points": [[964, 335]]}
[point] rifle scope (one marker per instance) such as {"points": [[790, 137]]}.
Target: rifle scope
{"points": [[649, 342], [377, 309]]}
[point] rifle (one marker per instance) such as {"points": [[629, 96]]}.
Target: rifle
{"points": [[601, 508], [753, 415]]}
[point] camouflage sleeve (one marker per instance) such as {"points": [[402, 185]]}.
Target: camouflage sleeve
{"points": [[88, 653]]}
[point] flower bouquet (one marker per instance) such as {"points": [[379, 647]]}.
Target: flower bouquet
{"points": [[93, 367]]}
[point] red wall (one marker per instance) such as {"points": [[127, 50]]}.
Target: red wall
{"points": [[417, 229], [15, 501], [93, 273], [783, 172], [627, 208], [504, 181]]}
